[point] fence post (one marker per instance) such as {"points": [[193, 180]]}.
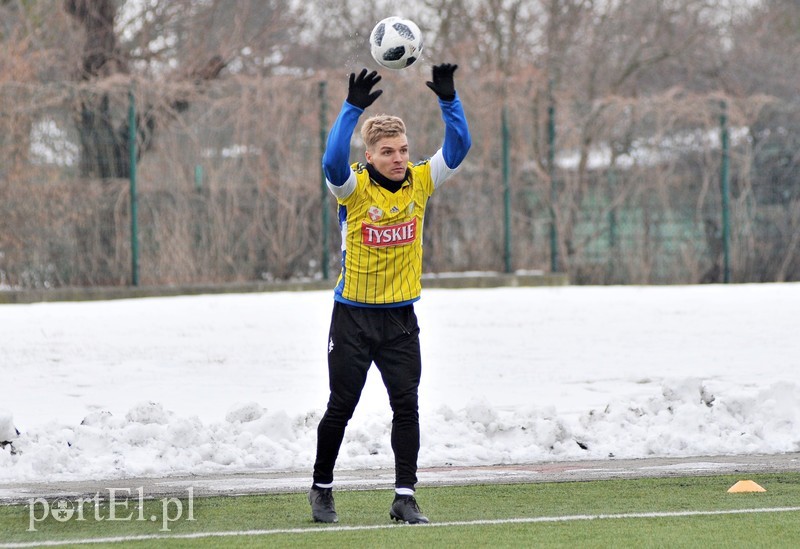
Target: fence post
{"points": [[551, 166], [323, 119], [134, 198], [725, 191], [198, 177], [506, 190], [612, 213]]}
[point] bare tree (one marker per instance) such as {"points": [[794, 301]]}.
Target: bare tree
{"points": [[103, 127], [227, 94]]}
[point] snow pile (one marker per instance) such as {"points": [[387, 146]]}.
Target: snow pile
{"points": [[7, 430], [203, 384], [151, 441]]}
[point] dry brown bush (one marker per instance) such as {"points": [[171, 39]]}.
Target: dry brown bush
{"points": [[229, 140]]}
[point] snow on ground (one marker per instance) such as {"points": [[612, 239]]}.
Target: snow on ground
{"points": [[226, 383]]}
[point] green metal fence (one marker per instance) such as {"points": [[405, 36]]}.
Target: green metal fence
{"points": [[228, 188]]}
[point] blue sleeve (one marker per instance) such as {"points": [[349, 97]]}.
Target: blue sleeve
{"points": [[457, 139], [336, 160]]}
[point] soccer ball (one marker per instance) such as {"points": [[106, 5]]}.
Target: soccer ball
{"points": [[396, 43]]}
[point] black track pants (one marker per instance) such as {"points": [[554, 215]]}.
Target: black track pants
{"points": [[358, 337]]}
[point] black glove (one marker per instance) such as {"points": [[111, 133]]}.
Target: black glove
{"points": [[358, 93], [442, 84]]}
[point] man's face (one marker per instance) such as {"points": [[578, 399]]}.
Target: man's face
{"points": [[390, 157]]}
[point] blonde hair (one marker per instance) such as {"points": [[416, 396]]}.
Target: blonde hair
{"points": [[377, 127]]}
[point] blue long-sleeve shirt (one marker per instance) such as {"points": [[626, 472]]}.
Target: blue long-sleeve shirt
{"points": [[335, 161]]}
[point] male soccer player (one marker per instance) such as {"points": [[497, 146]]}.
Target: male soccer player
{"points": [[381, 210]]}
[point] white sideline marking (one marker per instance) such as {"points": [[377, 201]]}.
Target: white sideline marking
{"points": [[324, 529]]}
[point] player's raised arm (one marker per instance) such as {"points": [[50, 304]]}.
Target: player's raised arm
{"points": [[457, 140], [335, 161]]}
